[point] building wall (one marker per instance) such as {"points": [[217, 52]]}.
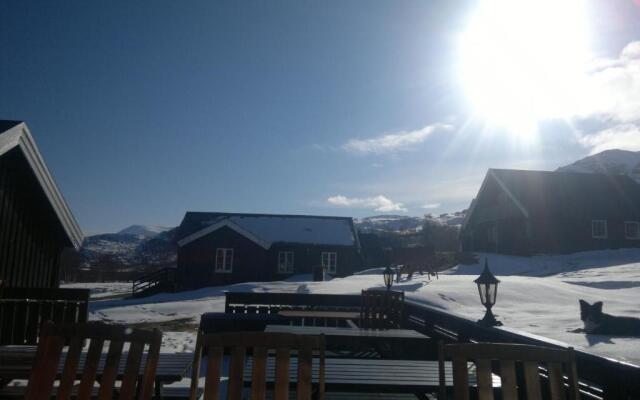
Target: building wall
{"points": [[570, 235], [196, 260], [540, 236], [31, 238], [307, 257]]}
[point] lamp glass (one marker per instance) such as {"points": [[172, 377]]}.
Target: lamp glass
{"points": [[488, 292]]}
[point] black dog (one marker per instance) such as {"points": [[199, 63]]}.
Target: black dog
{"points": [[598, 323]]}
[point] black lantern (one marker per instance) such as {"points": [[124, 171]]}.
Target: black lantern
{"points": [[488, 289], [387, 275]]}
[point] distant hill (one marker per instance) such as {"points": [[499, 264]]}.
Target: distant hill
{"points": [[137, 245], [616, 162], [405, 223], [147, 231]]}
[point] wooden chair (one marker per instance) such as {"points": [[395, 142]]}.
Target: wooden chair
{"points": [[53, 338], [259, 344], [556, 364], [381, 309]]}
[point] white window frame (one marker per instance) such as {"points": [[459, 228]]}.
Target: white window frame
{"points": [[593, 231], [227, 261], [637, 224], [285, 262], [330, 267]]}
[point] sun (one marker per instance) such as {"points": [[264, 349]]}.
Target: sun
{"points": [[521, 62]]}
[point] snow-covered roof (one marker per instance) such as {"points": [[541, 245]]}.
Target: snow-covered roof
{"points": [[15, 134], [267, 229]]}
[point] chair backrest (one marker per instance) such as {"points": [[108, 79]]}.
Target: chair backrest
{"points": [[381, 309], [259, 346], [87, 367], [520, 367]]}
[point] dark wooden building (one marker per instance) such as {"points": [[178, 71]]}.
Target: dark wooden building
{"points": [[223, 248], [540, 212], [36, 226]]}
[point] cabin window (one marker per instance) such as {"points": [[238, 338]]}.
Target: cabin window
{"points": [[632, 230], [599, 229], [224, 260], [329, 261], [285, 262]]}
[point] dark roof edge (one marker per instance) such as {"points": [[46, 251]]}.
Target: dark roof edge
{"points": [[19, 136]]}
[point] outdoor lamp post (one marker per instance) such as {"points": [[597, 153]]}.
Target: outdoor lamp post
{"points": [[488, 289], [387, 275]]}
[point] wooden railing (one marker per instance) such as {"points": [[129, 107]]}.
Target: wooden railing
{"points": [[22, 311], [162, 280], [600, 377], [271, 303]]}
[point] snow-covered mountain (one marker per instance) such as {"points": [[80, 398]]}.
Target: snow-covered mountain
{"points": [[617, 162], [147, 231], [405, 223], [137, 245]]}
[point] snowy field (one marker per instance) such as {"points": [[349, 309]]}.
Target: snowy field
{"points": [[101, 290], [538, 295]]}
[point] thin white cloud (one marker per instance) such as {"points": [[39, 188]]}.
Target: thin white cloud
{"points": [[391, 142], [430, 206], [622, 136], [612, 97], [377, 203]]}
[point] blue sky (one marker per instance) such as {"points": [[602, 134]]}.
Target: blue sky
{"points": [[144, 110]]}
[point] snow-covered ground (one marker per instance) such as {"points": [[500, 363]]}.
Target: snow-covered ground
{"points": [[537, 295], [100, 290]]}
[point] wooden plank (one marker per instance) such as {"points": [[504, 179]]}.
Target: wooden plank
{"points": [[483, 374], [556, 385], [532, 380], [236, 376], [259, 373], [43, 373], [461, 379], [90, 368], [508, 376], [305, 356], [131, 371], [110, 370], [70, 368], [214, 371], [281, 391]]}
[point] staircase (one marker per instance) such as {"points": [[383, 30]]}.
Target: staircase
{"points": [[163, 280]]}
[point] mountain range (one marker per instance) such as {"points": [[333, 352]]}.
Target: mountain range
{"points": [[616, 162]]}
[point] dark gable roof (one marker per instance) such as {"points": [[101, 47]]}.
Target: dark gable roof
{"points": [[16, 135], [275, 228], [572, 194]]}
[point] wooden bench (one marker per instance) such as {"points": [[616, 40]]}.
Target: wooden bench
{"points": [[417, 378]]}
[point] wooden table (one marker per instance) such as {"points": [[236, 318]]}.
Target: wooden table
{"points": [[390, 343], [16, 362], [374, 375], [347, 316]]}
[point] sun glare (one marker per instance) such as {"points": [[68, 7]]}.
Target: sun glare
{"points": [[523, 61]]}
